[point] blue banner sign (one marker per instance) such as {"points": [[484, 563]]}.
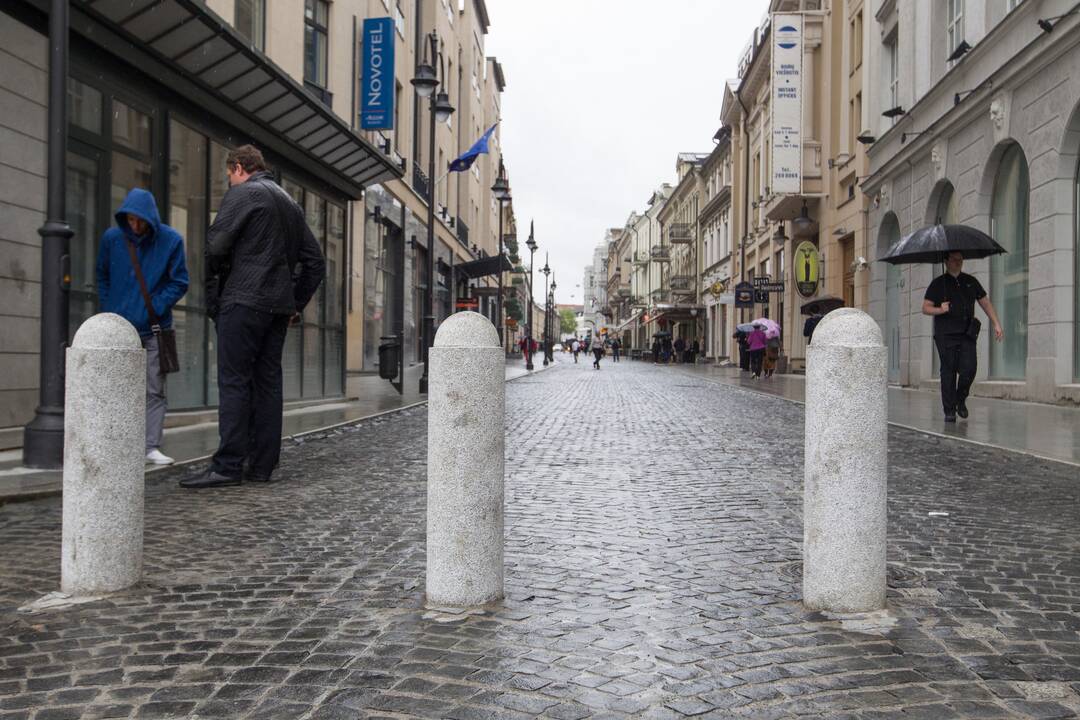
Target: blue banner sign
{"points": [[377, 79]]}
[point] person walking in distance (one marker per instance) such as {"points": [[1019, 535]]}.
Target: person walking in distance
{"points": [[597, 351], [757, 342], [950, 299], [576, 347], [141, 273], [263, 266], [615, 345]]}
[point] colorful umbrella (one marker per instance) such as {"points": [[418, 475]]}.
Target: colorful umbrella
{"points": [[771, 328]]}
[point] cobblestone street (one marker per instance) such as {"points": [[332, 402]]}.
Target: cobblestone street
{"points": [[653, 535]]}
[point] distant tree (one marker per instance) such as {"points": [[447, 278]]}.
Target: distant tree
{"points": [[567, 321], [513, 309]]}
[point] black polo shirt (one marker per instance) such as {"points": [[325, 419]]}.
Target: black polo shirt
{"points": [[962, 292]]}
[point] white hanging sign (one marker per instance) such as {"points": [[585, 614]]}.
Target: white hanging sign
{"points": [[786, 106]]}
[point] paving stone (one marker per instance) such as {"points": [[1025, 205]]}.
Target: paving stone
{"points": [[651, 536]]}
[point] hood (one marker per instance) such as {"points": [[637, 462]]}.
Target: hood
{"points": [[139, 203]]}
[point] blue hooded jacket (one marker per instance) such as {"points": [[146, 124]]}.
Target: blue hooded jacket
{"points": [[161, 257]]}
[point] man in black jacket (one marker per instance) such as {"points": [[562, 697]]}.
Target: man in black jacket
{"points": [[263, 265]]}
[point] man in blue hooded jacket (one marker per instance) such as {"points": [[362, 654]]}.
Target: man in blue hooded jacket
{"points": [[160, 251]]}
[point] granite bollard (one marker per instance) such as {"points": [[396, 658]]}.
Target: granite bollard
{"points": [[845, 465], [104, 457], [466, 407]]}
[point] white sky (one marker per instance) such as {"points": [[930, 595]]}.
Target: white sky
{"points": [[601, 95]]}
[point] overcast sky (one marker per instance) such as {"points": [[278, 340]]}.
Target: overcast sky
{"points": [[601, 95]]}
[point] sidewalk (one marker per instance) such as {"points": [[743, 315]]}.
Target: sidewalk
{"points": [[194, 443], [1051, 432]]}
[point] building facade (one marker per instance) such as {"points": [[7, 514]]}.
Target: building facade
{"points": [[988, 138], [676, 302], [158, 93], [715, 222]]}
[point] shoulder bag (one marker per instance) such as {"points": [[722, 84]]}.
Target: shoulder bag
{"points": [[168, 358]]}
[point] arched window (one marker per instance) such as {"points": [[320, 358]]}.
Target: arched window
{"points": [[946, 208], [1009, 272]]}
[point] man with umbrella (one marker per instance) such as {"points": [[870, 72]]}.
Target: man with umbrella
{"points": [[950, 300]]}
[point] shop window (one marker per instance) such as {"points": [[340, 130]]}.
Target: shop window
{"points": [[85, 104], [1009, 272]]}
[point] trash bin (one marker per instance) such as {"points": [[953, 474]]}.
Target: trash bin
{"points": [[389, 358]]}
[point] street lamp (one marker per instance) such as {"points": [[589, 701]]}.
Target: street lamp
{"points": [[531, 244], [547, 306], [551, 322], [501, 190], [425, 82]]}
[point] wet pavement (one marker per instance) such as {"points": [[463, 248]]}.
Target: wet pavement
{"points": [[653, 535], [1042, 430]]}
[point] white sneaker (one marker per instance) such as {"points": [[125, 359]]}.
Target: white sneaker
{"points": [[156, 457]]}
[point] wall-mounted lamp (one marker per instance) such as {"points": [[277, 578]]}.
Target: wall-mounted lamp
{"points": [[779, 237], [894, 112], [839, 160], [866, 139], [905, 136], [1047, 24], [959, 52], [957, 97], [840, 231]]}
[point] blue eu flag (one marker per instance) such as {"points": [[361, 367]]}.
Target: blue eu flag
{"points": [[479, 147]]}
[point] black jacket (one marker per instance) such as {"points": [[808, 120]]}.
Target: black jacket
{"points": [[260, 252]]}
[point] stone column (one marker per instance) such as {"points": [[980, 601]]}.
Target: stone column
{"points": [[844, 517], [104, 458], [466, 406]]}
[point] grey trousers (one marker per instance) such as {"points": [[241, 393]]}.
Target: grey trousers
{"points": [[155, 395]]}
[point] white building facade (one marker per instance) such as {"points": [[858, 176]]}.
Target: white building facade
{"points": [[992, 140]]}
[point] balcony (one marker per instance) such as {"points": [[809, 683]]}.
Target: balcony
{"points": [[462, 232], [680, 233], [660, 253], [641, 258], [419, 181], [623, 292], [681, 284], [660, 295]]}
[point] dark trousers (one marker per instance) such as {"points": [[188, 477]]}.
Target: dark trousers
{"points": [[958, 365], [756, 359], [744, 358], [249, 351], [615, 354], [597, 353]]}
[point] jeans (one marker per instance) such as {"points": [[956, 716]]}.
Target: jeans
{"points": [[756, 358], [959, 362], [249, 351], [155, 395]]}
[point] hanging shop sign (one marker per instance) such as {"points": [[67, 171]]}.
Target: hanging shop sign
{"points": [[806, 268], [467, 303], [744, 295], [787, 103], [377, 78]]}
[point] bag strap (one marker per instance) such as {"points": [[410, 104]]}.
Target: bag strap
{"points": [[155, 321]]}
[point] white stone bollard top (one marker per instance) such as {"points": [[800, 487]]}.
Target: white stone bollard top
{"points": [[106, 331], [847, 327], [466, 330]]}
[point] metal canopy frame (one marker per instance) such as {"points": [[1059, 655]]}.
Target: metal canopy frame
{"points": [[200, 56], [490, 265]]}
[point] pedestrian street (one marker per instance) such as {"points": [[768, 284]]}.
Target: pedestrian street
{"points": [[653, 546]]}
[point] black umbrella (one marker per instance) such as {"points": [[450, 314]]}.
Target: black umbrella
{"points": [[661, 334], [824, 304], [930, 245]]}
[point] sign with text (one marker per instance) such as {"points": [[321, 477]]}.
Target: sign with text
{"points": [[466, 303], [806, 268], [787, 104], [377, 78]]}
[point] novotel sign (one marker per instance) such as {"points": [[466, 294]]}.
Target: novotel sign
{"points": [[377, 78]]}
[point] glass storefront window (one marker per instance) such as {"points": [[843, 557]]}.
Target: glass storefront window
{"points": [[82, 203], [1009, 272], [127, 173], [85, 105], [130, 128], [187, 201]]}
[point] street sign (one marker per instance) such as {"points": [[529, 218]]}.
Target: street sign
{"points": [[744, 295], [465, 303], [761, 297], [511, 323], [773, 287], [806, 268], [761, 280], [377, 76]]}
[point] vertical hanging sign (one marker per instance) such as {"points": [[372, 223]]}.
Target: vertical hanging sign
{"points": [[787, 102], [377, 77]]}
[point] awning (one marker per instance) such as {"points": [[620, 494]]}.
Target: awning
{"points": [[193, 52], [636, 314], [483, 267]]}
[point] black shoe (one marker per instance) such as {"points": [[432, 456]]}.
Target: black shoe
{"points": [[209, 479], [950, 418], [961, 409]]}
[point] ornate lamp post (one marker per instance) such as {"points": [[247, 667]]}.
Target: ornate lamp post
{"points": [[531, 244], [425, 82], [547, 307], [553, 319], [501, 190]]}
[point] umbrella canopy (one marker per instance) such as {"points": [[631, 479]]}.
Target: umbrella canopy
{"points": [[930, 244], [822, 305], [745, 327], [771, 327], [661, 334]]}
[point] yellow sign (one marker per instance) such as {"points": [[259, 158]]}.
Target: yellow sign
{"points": [[806, 267], [717, 288]]}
